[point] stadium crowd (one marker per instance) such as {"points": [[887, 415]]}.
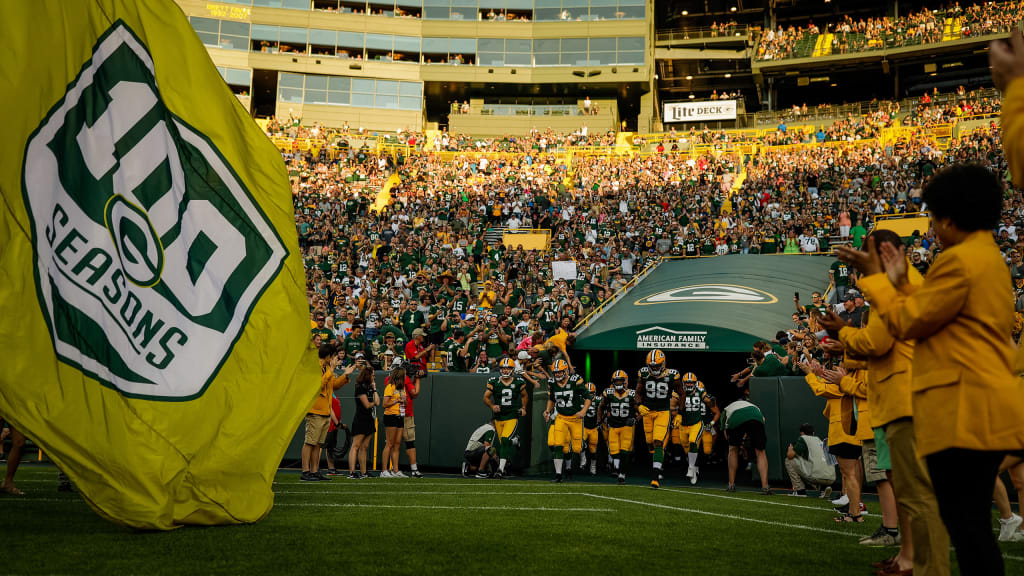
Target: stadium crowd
{"points": [[426, 261], [922, 27]]}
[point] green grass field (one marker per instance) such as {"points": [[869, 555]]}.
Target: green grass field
{"points": [[452, 525]]}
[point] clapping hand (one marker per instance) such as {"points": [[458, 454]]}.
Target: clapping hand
{"points": [[867, 261], [831, 321], [1006, 58], [834, 376], [833, 346], [895, 261]]}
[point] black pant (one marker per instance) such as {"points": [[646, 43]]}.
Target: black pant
{"points": [[963, 481]]}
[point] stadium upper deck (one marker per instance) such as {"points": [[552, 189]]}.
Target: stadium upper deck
{"points": [[508, 66]]}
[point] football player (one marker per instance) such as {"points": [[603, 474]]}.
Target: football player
{"points": [[507, 398], [591, 435], [570, 399], [654, 394], [689, 423], [710, 428], [618, 405]]}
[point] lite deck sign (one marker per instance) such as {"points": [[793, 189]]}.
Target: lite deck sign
{"points": [[665, 339], [149, 252], [699, 111]]}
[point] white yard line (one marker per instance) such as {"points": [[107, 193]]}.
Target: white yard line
{"points": [[729, 516], [433, 493], [433, 507], [704, 492]]}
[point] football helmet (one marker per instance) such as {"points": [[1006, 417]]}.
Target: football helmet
{"points": [[619, 380], [507, 366], [560, 370], [690, 380], [656, 361]]}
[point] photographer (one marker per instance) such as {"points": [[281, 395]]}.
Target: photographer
{"points": [[395, 397], [318, 418], [482, 364], [455, 348], [363, 423], [412, 389], [417, 354], [479, 452]]}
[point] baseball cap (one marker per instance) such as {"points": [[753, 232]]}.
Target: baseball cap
{"points": [[855, 293], [360, 356], [418, 332], [524, 355]]}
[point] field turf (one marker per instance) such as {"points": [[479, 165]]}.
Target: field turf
{"points": [[450, 525]]}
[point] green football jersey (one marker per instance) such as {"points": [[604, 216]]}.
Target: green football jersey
{"points": [[619, 409], [507, 396], [590, 419], [693, 402], [656, 391], [569, 399]]}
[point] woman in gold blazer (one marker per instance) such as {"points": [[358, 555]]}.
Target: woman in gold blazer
{"points": [[967, 403]]}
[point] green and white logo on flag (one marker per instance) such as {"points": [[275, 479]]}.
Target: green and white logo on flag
{"points": [[150, 252]]}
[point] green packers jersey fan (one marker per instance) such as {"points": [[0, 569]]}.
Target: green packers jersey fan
{"points": [[150, 230]]}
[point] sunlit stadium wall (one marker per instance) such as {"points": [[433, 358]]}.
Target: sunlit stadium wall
{"points": [[370, 69]]}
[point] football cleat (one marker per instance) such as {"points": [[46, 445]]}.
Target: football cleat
{"points": [[557, 479], [693, 477], [622, 479], [655, 483]]}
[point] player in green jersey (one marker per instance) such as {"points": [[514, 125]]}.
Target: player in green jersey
{"points": [[507, 398], [591, 433], [569, 399], [688, 428], [654, 389], [618, 405]]}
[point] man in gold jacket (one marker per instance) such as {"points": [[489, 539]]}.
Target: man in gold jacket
{"points": [[967, 402], [925, 547]]}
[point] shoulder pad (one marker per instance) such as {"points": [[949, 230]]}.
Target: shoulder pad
{"points": [[632, 393], [671, 372]]}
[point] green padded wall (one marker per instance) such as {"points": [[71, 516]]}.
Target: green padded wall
{"points": [[786, 403]]}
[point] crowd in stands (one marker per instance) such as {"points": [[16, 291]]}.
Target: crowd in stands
{"points": [[426, 262], [922, 27]]}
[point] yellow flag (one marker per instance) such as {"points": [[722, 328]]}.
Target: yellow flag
{"points": [[153, 293], [383, 199]]}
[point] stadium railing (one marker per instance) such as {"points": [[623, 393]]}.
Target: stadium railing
{"points": [[857, 43], [723, 32]]}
